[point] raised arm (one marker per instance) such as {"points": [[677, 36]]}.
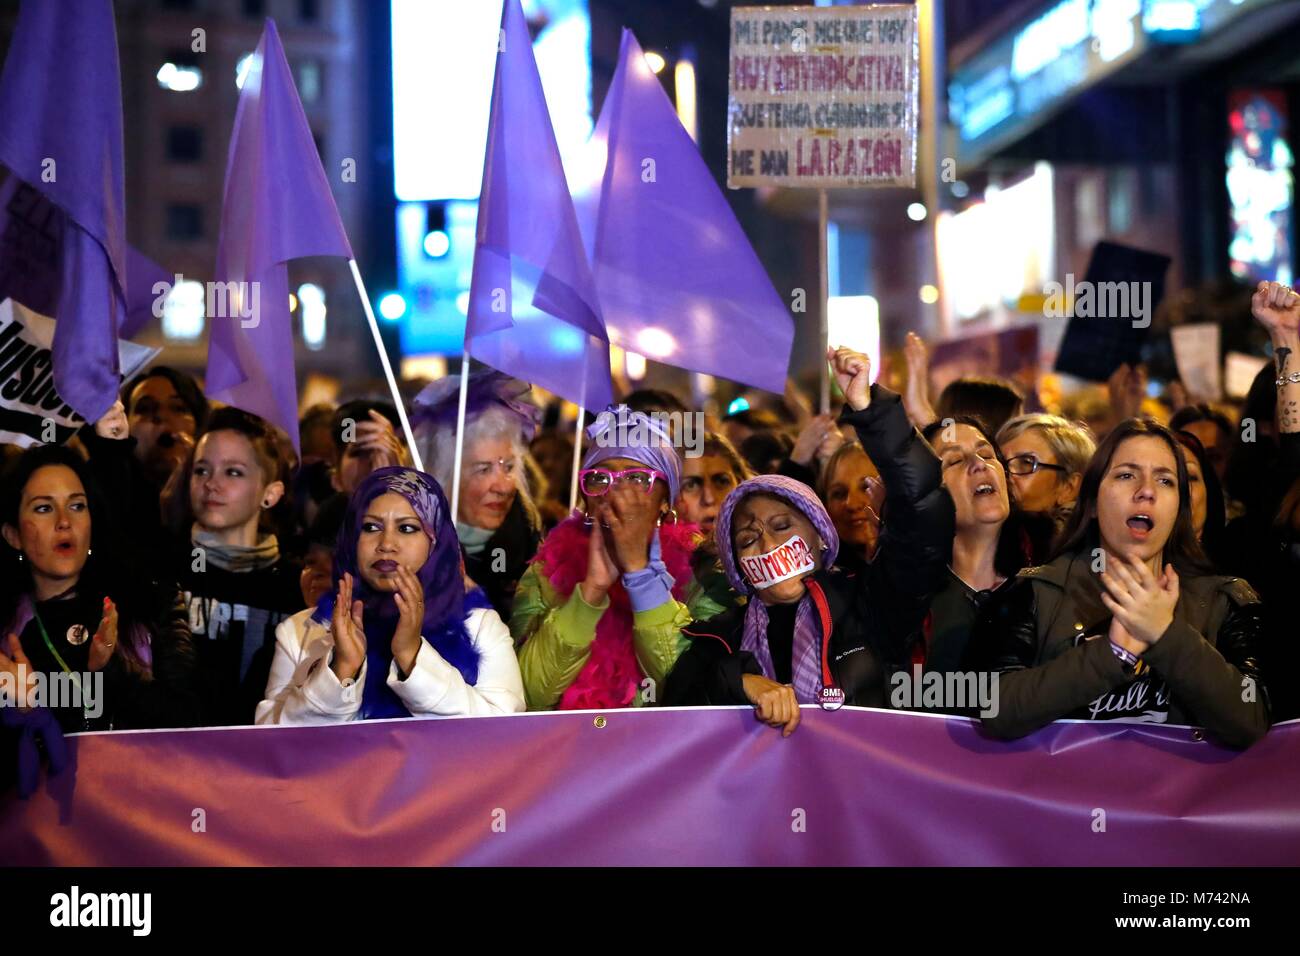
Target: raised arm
{"points": [[916, 541]]}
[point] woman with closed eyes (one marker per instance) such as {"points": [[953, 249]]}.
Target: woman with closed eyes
{"points": [[399, 636]]}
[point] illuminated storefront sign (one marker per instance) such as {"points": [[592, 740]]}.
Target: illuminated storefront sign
{"points": [[1013, 83]]}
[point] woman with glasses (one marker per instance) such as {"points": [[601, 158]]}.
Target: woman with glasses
{"points": [[497, 521], [599, 612], [1046, 457]]}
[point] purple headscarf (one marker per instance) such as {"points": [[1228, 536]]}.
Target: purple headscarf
{"points": [[806, 664], [619, 432], [445, 601], [438, 404]]}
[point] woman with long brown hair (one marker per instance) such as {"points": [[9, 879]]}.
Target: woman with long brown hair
{"points": [[1127, 622]]}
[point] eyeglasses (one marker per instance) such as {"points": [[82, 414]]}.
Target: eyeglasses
{"points": [[1028, 464], [596, 481]]}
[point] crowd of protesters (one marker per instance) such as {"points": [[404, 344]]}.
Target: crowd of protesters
{"points": [[1142, 569]]}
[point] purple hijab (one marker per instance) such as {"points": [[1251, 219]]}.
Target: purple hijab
{"points": [[445, 601], [806, 664]]}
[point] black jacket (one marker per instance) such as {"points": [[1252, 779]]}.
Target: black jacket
{"points": [[503, 560], [233, 617], [870, 614], [1055, 661]]}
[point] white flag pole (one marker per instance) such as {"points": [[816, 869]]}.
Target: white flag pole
{"points": [[460, 436], [577, 461], [388, 368]]}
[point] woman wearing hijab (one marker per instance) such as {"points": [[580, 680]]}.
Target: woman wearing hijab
{"points": [[399, 636], [498, 524], [813, 633], [599, 612]]}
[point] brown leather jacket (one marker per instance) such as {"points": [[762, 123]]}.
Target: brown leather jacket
{"points": [[1055, 660]]}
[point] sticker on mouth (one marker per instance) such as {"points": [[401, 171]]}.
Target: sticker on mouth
{"points": [[787, 561]]}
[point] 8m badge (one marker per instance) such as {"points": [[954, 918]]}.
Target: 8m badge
{"points": [[832, 698]]}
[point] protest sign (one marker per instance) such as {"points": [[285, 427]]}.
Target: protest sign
{"points": [[1110, 310], [822, 97], [1196, 351], [31, 409]]}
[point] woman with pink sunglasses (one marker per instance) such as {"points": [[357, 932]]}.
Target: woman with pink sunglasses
{"points": [[598, 615]]}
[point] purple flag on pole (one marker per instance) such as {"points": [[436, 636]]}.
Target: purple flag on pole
{"points": [[277, 207], [61, 135], [677, 278], [533, 311]]}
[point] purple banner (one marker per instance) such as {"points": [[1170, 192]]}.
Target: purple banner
{"points": [[651, 787]]}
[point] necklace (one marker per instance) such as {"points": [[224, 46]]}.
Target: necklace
{"points": [[76, 679]]}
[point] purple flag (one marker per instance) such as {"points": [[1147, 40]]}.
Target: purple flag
{"points": [[677, 278], [533, 311], [277, 207], [61, 135], [143, 277], [664, 787]]}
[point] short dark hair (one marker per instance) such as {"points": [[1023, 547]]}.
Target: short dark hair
{"points": [[994, 401], [1201, 412], [358, 410], [186, 387], [649, 400]]}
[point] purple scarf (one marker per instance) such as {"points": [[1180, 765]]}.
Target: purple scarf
{"points": [[806, 666], [445, 601]]}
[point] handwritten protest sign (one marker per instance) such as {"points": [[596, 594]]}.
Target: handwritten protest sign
{"points": [[822, 97], [31, 411]]}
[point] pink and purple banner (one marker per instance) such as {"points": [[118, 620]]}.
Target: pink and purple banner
{"points": [[654, 787]]}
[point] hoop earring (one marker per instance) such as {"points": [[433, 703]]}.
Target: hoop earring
{"points": [[664, 514]]}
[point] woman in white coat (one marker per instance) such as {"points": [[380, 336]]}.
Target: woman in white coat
{"points": [[398, 636]]}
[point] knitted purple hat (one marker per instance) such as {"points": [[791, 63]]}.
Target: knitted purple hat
{"points": [[795, 492]]}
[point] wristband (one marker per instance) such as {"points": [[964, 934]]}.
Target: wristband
{"points": [[1128, 657]]}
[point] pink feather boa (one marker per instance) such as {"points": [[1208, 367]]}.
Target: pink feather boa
{"points": [[612, 676]]}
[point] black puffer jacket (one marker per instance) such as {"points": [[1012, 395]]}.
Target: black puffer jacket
{"points": [[870, 614], [1055, 660]]}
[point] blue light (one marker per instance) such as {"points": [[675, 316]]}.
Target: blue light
{"points": [[392, 306], [436, 244], [738, 405]]}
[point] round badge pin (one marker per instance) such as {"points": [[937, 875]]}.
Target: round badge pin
{"points": [[832, 698], [78, 634]]}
